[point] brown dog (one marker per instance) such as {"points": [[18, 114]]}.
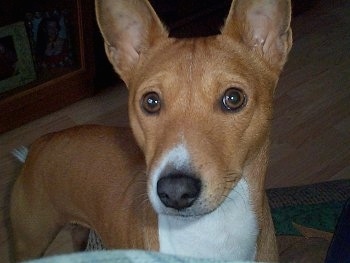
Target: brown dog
{"points": [[200, 111]]}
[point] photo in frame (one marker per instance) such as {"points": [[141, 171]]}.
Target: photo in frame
{"points": [[50, 40], [16, 62]]}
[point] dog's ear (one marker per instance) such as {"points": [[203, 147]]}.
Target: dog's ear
{"points": [[129, 28], [262, 25]]}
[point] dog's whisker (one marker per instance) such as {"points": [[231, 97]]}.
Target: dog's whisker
{"points": [[145, 200]]}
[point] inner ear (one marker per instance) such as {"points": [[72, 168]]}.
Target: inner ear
{"points": [[263, 26], [129, 27]]}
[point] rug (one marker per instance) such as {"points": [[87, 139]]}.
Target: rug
{"points": [[316, 206]]}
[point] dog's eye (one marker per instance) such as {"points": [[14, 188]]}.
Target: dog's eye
{"points": [[234, 99], [150, 102]]}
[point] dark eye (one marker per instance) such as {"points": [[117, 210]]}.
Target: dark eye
{"points": [[150, 102], [234, 99]]}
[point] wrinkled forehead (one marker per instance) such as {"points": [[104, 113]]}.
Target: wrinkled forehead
{"points": [[190, 61]]}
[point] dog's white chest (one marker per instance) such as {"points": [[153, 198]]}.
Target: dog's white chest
{"points": [[228, 233]]}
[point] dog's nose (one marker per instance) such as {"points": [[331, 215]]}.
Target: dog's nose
{"points": [[178, 191]]}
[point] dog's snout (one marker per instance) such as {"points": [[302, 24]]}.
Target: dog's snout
{"points": [[178, 191]]}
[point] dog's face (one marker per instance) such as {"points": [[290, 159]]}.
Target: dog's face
{"points": [[199, 108]]}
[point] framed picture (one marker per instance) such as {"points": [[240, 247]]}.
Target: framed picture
{"points": [[49, 34], [16, 62]]}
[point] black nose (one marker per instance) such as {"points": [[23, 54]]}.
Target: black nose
{"points": [[178, 191]]}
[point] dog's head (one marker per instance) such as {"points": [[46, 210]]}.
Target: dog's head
{"points": [[199, 108]]}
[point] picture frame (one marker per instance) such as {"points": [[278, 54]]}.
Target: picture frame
{"points": [[16, 61], [50, 38], [55, 88]]}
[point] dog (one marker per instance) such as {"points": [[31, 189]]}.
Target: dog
{"points": [[188, 178]]}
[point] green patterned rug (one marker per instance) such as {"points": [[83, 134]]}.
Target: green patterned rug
{"points": [[316, 206]]}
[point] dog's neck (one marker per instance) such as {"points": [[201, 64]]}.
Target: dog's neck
{"points": [[228, 233]]}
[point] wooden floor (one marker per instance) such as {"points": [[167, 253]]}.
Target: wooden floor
{"points": [[311, 125]]}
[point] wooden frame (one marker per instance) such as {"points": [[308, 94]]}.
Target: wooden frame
{"points": [[22, 70], [44, 96]]}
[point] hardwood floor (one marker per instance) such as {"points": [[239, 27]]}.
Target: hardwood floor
{"points": [[311, 125]]}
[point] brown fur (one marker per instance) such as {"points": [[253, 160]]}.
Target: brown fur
{"points": [[90, 175], [97, 176]]}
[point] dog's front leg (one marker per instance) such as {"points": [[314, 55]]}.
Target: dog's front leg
{"points": [[34, 223]]}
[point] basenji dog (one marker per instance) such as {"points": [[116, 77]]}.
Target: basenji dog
{"points": [[188, 178]]}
